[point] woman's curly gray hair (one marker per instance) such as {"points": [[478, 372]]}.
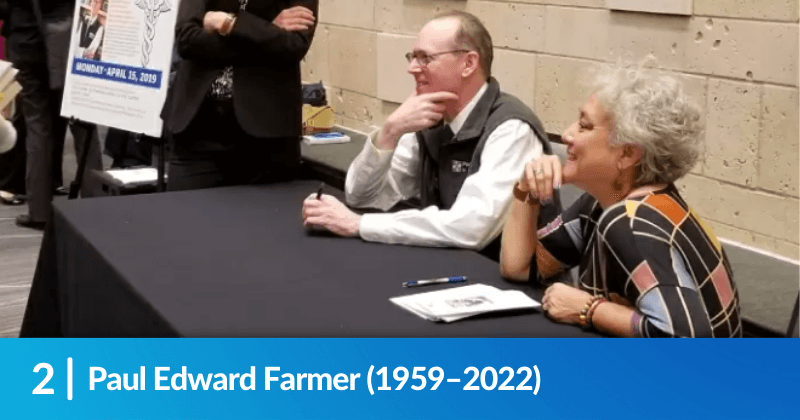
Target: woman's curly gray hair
{"points": [[650, 109]]}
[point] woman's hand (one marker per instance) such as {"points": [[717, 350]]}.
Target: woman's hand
{"points": [[541, 176], [564, 303], [213, 21]]}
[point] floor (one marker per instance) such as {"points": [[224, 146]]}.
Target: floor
{"points": [[19, 250]]}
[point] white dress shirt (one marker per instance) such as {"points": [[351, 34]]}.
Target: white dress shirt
{"points": [[381, 178]]}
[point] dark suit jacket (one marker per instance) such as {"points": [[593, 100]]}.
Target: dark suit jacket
{"points": [[266, 66]]}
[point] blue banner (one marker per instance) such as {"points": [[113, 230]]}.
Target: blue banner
{"points": [[398, 378], [138, 76]]}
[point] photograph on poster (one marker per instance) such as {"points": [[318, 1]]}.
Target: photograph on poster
{"points": [[90, 29]]}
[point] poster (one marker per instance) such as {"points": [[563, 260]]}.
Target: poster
{"points": [[120, 55]]}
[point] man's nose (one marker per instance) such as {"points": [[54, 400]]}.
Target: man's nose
{"points": [[413, 66]]}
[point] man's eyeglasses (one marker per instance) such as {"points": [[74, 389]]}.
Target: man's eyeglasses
{"points": [[424, 59]]}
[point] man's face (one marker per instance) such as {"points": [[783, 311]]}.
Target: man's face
{"points": [[96, 6], [443, 72]]}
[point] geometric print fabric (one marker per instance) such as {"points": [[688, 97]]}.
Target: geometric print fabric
{"points": [[656, 253]]}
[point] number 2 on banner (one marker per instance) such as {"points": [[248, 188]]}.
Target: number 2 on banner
{"points": [[41, 390]]}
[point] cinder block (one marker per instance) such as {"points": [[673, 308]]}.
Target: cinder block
{"points": [[352, 13], [756, 240], [759, 212], [732, 131], [408, 16], [560, 89], [747, 50], [352, 59], [751, 50], [781, 10], [512, 25], [632, 36], [387, 108], [315, 64], [582, 3], [675, 7], [355, 106], [778, 142], [566, 30], [697, 88], [394, 82], [516, 72]]}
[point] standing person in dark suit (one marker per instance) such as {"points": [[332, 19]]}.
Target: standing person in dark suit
{"points": [[38, 47], [236, 108]]}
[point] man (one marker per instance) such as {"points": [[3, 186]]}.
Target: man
{"points": [[38, 47], [462, 171], [90, 32]]}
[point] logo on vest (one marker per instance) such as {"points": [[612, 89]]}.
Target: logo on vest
{"points": [[460, 166]]}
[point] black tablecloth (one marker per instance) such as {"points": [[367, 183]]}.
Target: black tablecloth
{"points": [[237, 262]]}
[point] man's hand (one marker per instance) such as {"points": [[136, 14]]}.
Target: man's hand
{"points": [[213, 21], [331, 214], [416, 113], [296, 18]]}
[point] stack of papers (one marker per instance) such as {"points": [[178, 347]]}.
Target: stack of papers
{"points": [[9, 87], [132, 177], [462, 302], [326, 138]]}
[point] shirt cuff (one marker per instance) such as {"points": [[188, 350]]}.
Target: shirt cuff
{"points": [[370, 227]]}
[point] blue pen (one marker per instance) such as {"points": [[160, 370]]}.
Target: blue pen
{"points": [[451, 279], [327, 135]]}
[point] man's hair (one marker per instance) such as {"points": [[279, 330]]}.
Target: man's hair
{"points": [[472, 36]]}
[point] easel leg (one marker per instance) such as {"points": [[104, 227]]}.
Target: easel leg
{"points": [[81, 132]]}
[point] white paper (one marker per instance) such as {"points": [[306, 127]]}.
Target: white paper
{"points": [[326, 140], [134, 176], [461, 302], [121, 79]]}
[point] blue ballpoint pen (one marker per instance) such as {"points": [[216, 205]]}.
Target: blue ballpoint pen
{"points": [[451, 279], [328, 135]]}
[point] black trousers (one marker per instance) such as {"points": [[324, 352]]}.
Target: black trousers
{"points": [[213, 151]]}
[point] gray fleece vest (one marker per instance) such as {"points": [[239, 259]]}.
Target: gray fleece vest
{"points": [[446, 163]]}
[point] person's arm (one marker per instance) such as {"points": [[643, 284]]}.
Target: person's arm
{"points": [[255, 37], [519, 241], [193, 42], [381, 178], [477, 215], [91, 50]]}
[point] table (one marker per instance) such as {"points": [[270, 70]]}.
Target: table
{"points": [[236, 262]]}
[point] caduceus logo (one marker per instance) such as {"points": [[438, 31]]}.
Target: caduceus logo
{"points": [[151, 8]]}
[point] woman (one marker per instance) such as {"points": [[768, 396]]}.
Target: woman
{"points": [[649, 266], [235, 111]]}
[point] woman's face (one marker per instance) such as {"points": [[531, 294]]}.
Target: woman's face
{"points": [[592, 161]]}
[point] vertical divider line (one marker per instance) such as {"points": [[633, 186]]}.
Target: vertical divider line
{"points": [[69, 378]]}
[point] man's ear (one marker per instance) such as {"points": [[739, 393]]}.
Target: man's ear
{"points": [[471, 64], [631, 156]]}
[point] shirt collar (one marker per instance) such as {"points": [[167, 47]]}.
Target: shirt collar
{"points": [[461, 118]]}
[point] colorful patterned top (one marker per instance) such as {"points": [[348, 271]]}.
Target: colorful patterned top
{"points": [[657, 254]]}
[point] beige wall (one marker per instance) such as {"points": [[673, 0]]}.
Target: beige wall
{"points": [[739, 58]]}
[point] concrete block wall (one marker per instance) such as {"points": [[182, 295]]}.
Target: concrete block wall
{"points": [[738, 59]]}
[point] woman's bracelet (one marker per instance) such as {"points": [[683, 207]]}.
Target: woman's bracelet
{"points": [[524, 196], [585, 318]]}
